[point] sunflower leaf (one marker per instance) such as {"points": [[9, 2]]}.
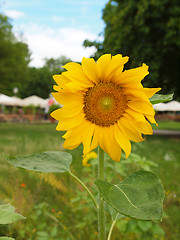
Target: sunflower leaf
{"points": [[114, 213], [139, 196], [52, 162], [159, 98], [8, 214]]}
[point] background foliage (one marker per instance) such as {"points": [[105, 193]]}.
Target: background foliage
{"points": [[14, 58], [146, 31], [14, 66]]}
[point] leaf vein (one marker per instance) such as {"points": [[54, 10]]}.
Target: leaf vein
{"points": [[128, 198]]}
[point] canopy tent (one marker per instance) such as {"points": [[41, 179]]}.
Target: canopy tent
{"points": [[32, 100], [35, 100], [17, 101], [160, 107], [171, 106], [6, 100]]}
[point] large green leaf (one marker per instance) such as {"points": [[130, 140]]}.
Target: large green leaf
{"points": [[139, 196], [52, 161], [7, 207], [114, 213], [8, 215], [159, 98], [6, 238]]}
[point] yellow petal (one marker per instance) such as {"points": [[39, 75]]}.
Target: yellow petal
{"points": [[74, 136], [135, 94], [141, 106], [68, 98], [151, 91], [151, 119], [95, 139], [116, 64], [71, 143], [69, 123], [87, 136], [128, 131], [131, 76], [60, 79], [90, 69], [78, 78], [138, 117], [105, 143], [76, 74], [109, 144], [62, 88], [102, 65], [67, 111], [76, 87], [123, 142], [143, 127], [73, 66]]}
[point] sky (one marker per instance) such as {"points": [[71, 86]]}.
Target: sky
{"points": [[52, 28]]}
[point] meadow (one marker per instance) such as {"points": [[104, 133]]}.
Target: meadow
{"points": [[57, 208]]}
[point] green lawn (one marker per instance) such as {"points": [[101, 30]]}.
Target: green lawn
{"points": [[62, 197], [170, 125]]}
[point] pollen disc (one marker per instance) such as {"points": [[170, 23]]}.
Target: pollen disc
{"points": [[104, 103]]}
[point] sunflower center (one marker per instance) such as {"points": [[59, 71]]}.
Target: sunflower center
{"points": [[104, 104]]}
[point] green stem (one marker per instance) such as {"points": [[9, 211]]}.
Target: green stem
{"points": [[84, 186], [101, 210], [111, 229], [62, 225]]}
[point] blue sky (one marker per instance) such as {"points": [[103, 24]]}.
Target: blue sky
{"points": [[56, 27]]}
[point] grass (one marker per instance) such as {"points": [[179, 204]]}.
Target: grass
{"points": [[60, 196], [170, 125]]}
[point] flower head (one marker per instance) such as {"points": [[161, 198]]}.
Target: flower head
{"points": [[87, 157], [103, 105]]}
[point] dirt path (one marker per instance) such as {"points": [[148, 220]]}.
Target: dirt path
{"points": [[167, 133]]}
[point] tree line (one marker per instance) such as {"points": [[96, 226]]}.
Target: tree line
{"points": [[147, 31], [15, 71]]}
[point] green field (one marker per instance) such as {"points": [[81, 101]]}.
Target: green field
{"points": [[171, 125], [36, 195]]}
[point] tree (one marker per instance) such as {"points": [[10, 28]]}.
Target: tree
{"points": [[40, 80], [14, 58], [147, 31], [39, 83], [55, 66]]}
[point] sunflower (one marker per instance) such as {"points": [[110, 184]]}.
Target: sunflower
{"points": [[103, 105], [90, 155]]}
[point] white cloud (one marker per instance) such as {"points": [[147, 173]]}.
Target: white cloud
{"points": [[14, 14], [46, 42]]}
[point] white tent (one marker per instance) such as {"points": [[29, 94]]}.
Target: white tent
{"points": [[6, 100], [17, 101], [160, 107], [173, 106], [34, 100]]}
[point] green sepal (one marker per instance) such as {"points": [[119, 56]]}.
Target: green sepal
{"points": [[47, 162], [159, 98], [139, 196]]}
